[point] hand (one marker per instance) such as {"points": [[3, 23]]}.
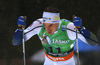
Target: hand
{"points": [[77, 21], [21, 21]]}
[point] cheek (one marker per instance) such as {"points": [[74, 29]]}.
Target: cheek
{"points": [[53, 29], [48, 29]]}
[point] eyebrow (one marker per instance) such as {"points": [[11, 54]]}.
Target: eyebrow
{"points": [[48, 25]]}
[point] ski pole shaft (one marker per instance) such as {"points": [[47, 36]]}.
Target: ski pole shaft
{"points": [[77, 51], [23, 49], [23, 41], [78, 62]]}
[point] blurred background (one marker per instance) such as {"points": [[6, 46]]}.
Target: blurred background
{"points": [[10, 10]]}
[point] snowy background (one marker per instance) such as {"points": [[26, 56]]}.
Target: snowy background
{"points": [[10, 10]]}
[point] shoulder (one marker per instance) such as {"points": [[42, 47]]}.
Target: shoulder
{"points": [[35, 24], [38, 22], [71, 25], [65, 21]]}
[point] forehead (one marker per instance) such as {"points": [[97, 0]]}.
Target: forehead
{"points": [[48, 24]]}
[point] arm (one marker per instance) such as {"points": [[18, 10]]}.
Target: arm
{"points": [[89, 36], [33, 29], [17, 39], [72, 33], [18, 33], [83, 34]]}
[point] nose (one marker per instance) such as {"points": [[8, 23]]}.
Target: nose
{"points": [[48, 29]]}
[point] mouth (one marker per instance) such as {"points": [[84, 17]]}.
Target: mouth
{"points": [[50, 32]]}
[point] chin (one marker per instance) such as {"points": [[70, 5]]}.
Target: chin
{"points": [[51, 33]]}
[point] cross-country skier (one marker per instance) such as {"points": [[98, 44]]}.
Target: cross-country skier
{"points": [[57, 36]]}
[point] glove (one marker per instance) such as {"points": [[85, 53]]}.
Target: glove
{"points": [[21, 21], [77, 21]]}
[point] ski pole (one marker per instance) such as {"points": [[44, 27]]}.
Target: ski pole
{"points": [[77, 51], [23, 43]]}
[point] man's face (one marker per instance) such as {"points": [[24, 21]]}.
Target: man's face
{"points": [[51, 28]]}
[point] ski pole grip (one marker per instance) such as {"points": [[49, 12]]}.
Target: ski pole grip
{"points": [[22, 25], [25, 19], [75, 26]]}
